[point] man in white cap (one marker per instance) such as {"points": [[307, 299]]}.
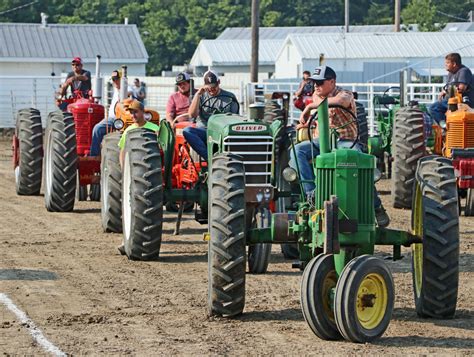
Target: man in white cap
{"points": [[215, 100], [324, 79]]}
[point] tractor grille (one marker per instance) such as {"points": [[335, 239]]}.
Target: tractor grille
{"points": [[325, 181], [257, 157], [366, 196], [460, 135]]}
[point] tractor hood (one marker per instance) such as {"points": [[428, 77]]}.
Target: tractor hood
{"points": [[223, 125]]}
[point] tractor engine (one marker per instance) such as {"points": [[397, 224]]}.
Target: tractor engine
{"points": [[459, 145], [86, 115]]}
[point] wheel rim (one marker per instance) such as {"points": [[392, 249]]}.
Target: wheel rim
{"points": [[329, 284], [372, 300], [49, 166], [127, 212], [17, 174], [104, 188], [417, 249]]}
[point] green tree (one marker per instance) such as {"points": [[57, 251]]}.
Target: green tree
{"points": [[422, 13]]}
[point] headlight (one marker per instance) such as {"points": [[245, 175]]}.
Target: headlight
{"points": [[290, 174], [148, 116], [377, 175], [118, 124]]}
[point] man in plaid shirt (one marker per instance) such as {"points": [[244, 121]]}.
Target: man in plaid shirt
{"points": [[324, 79]]}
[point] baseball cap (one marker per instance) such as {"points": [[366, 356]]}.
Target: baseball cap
{"points": [[211, 78], [322, 73], [182, 77], [135, 105], [77, 60]]}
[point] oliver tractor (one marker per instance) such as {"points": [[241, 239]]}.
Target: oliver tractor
{"points": [[67, 164], [150, 171], [346, 292]]}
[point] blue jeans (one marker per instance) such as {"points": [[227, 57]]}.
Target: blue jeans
{"points": [[438, 110], [305, 155], [197, 138], [98, 134]]}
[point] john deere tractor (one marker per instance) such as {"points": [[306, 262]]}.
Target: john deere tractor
{"points": [[149, 171], [346, 292]]}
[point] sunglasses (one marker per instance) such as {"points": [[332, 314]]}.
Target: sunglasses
{"points": [[319, 83]]}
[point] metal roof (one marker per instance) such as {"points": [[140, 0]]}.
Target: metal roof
{"points": [[62, 42], [273, 33], [382, 45], [459, 27], [235, 52]]}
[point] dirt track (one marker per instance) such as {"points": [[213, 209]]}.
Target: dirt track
{"points": [[87, 299]]}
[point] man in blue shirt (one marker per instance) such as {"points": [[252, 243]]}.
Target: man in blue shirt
{"points": [[459, 76]]}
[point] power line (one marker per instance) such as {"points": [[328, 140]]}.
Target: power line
{"points": [[18, 7], [451, 16]]}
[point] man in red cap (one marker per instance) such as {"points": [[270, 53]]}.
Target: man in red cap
{"points": [[79, 80]]}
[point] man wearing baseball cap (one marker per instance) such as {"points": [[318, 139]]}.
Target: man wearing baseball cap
{"points": [[215, 100], [78, 79], [324, 80], [178, 102], [137, 110]]}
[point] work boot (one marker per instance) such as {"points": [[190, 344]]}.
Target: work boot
{"points": [[382, 218]]}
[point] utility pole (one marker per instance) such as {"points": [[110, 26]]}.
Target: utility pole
{"points": [[346, 16], [398, 9], [255, 27]]}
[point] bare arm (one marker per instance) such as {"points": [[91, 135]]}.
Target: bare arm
{"points": [[121, 157], [342, 98], [194, 107], [300, 89]]}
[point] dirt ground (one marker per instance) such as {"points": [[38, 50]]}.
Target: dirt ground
{"points": [[68, 277]]}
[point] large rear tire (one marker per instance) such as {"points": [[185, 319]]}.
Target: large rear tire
{"points": [[408, 146], [227, 236], [111, 184], [259, 254], [29, 146], [60, 162], [435, 219], [142, 196]]}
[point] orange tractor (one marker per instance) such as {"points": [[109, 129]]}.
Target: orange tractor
{"points": [[185, 166], [455, 141]]}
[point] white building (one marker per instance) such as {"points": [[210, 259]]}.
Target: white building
{"points": [[47, 49]]}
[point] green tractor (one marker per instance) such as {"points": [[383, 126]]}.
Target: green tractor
{"points": [[399, 144], [346, 292], [148, 173]]}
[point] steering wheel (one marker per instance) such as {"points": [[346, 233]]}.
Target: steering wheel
{"points": [[385, 94], [213, 105], [180, 118], [315, 116]]}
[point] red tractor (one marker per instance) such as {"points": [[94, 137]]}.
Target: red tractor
{"points": [[68, 167]]}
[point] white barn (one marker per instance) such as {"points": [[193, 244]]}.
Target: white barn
{"points": [[372, 57], [47, 49]]}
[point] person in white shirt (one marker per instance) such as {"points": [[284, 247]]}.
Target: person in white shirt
{"points": [[137, 91], [100, 129]]}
